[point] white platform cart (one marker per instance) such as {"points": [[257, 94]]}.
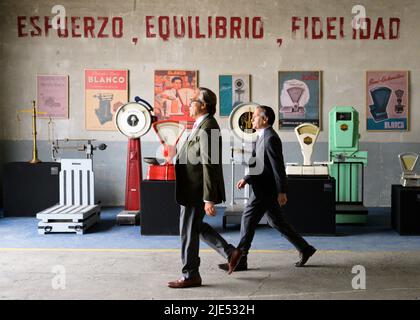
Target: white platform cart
{"points": [[77, 211]]}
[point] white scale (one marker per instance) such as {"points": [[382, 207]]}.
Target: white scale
{"points": [[76, 211], [307, 133], [408, 162]]}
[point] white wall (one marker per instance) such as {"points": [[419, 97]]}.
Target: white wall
{"points": [[343, 61]]}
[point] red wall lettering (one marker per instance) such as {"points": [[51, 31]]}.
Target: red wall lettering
{"points": [[334, 28], [221, 23], [394, 28], [34, 21], [317, 28], [198, 35], [74, 27], [235, 28], [89, 29], [179, 33], [21, 25], [257, 28], [164, 31], [331, 28], [149, 26]]}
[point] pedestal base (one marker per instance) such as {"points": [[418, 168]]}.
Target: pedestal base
{"points": [[128, 218]]}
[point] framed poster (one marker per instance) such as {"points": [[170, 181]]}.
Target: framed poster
{"points": [[52, 95], [174, 90], [387, 101], [233, 90], [299, 98], [105, 91]]}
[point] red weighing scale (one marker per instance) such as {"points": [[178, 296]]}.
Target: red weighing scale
{"points": [[133, 120], [169, 132]]}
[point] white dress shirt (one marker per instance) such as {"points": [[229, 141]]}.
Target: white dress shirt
{"points": [[198, 122]]}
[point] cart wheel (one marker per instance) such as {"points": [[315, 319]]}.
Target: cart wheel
{"points": [[78, 228], [48, 229]]}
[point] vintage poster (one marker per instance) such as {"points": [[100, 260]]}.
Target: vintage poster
{"points": [[387, 100], [105, 91], [299, 98], [233, 90], [52, 92], [174, 90]]}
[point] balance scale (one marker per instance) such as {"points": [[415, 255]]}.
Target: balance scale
{"points": [[307, 134], [240, 124], [169, 132], [133, 120], [408, 162]]}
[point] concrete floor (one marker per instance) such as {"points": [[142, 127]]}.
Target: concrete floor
{"points": [[142, 274]]}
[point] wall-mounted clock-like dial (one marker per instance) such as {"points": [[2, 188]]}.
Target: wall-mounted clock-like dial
{"points": [[240, 121], [133, 119]]}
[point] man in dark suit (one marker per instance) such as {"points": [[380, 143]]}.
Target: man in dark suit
{"points": [[267, 178], [199, 186]]}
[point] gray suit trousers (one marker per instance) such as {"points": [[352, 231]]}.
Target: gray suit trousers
{"points": [[192, 228], [252, 215]]}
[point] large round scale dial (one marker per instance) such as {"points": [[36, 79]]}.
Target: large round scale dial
{"points": [[240, 121], [133, 119]]}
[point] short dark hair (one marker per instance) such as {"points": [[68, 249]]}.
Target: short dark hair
{"points": [[209, 98], [269, 113], [176, 78]]}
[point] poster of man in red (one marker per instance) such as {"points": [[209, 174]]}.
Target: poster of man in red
{"points": [[105, 91], [174, 90]]}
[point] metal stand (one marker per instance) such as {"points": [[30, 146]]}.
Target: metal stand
{"points": [[233, 212], [350, 210]]}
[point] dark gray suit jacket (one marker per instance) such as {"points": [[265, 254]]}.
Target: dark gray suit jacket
{"points": [[267, 174], [198, 167]]}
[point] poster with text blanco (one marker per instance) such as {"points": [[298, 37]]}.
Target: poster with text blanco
{"points": [[387, 101], [105, 91]]}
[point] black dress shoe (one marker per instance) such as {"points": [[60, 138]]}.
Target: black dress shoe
{"points": [[240, 267], [235, 257], [185, 283], [305, 255]]}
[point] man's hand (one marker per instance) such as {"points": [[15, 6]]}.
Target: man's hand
{"points": [[241, 184], [282, 199], [210, 209]]}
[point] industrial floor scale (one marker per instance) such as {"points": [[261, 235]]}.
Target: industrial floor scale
{"points": [[76, 211]]}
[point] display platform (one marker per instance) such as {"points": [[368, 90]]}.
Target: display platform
{"points": [[159, 211], [310, 208], [29, 188], [405, 209]]}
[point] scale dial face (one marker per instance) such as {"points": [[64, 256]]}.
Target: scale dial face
{"points": [[240, 121], [133, 120], [169, 131]]}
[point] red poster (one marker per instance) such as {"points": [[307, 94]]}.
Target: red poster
{"points": [[174, 90]]}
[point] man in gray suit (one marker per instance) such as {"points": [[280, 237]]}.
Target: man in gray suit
{"points": [[199, 186], [268, 181]]}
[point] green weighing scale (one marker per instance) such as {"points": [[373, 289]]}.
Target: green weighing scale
{"points": [[347, 165]]}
